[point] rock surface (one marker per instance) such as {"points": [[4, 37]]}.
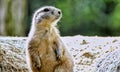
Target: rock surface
{"points": [[93, 54], [110, 63], [12, 55]]}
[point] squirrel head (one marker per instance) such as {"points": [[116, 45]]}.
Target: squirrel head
{"points": [[47, 15]]}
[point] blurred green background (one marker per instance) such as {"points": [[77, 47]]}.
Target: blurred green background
{"points": [[80, 17]]}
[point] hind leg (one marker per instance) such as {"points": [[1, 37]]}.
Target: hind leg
{"points": [[65, 67]]}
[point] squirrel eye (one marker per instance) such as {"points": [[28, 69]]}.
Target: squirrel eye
{"points": [[46, 10]]}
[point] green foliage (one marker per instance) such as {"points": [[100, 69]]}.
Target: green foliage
{"points": [[84, 17]]}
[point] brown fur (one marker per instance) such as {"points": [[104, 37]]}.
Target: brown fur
{"points": [[45, 50]]}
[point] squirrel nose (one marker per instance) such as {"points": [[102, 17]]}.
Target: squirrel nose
{"points": [[56, 12]]}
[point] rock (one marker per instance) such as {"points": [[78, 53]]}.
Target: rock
{"points": [[110, 63], [87, 52], [93, 54], [12, 55]]}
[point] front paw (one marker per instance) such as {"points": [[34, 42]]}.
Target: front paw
{"points": [[36, 62], [59, 54], [37, 66], [59, 57]]}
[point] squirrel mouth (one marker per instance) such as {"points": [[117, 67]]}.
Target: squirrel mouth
{"points": [[57, 17]]}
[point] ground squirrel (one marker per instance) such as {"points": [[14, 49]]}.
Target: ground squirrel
{"points": [[45, 51]]}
